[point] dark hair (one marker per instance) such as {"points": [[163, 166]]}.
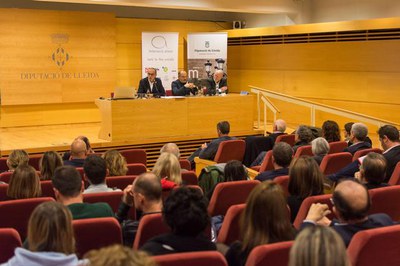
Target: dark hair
{"points": [[391, 132], [185, 211], [87, 142], [95, 169], [348, 126], [282, 153], [344, 208], [67, 181], [48, 164], [374, 168], [149, 185], [223, 127], [331, 131], [305, 134], [234, 171]]}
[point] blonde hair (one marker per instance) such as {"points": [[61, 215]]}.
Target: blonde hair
{"points": [[115, 162], [318, 245], [17, 158], [50, 229], [168, 166], [118, 255], [24, 183], [48, 164]]}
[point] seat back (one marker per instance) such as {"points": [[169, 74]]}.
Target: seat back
{"points": [[386, 200], [95, 233], [284, 182], [34, 160], [306, 204], [81, 172], [230, 150], [47, 188], [135, 156], [289, 139], [150, 225], [6, 177], [3, 191], [189, 178], [337, 146], [136, 168], [378, 246], [120, 182], [395, 178], [227, 194], [230, 229], [185, 164], [361, 153], [202, 258], [9, 241], [331, 163], [15, 213], [276, 254], [303, 150], [267, 162], [3, 164]]}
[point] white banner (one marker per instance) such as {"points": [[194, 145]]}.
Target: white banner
{"points": [[160, 50], [206, 53]]}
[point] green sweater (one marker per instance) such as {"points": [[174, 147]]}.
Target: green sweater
{"points": [[90, 210]]}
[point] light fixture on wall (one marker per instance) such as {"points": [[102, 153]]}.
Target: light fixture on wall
{"points": [[220, 63], [207, 66]]}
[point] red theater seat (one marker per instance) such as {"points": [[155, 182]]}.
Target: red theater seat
{"points": [[185, 164], [150, 225], [303, 150], [289, 139], [210, 258], [135, 156], [230, 150], [120, 182], [9, 241], [230, 229], [332, 163], [34, 160], [361, 153], [266, 165], [386, 200], [337, 146], [190, 178], [395, 178], [47, 188], [284, 182], [276, 254], [136, 168], [6, 177]]}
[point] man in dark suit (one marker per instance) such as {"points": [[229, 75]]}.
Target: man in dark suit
{"points": [[151, 84], [217, 84], [351, 204], [358, 136], [181, 86]]}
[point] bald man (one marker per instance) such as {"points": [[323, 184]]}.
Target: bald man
{"points": [[151, 84], [217, 84], [351, 204], [181, 86], [78, 153]]}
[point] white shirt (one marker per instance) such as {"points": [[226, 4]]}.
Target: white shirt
{"points": [[99, 188]]}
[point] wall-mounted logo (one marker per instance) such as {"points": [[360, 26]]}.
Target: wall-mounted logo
{"points": [[159, 42], [165, 69], [60, 56], [207, 44]]}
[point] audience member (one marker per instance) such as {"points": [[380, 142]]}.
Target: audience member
{"points": [[303, 137], [95, 172], [24, 183], [50, 238], [68, 188], [317, 246], [118, 255], [358, 135], [282, 155], [168, 169], [347, 129], [185, 212], [320, 148], [351, 205], [78, 153], [264, 220], [115, 162], [208, 151], [305, 180], [48, 164], [151, 84], [67, 155], [373, 171], [217, 84], [17, 158], [171, 148], [330, 131], [146, 196], [181, 86]]}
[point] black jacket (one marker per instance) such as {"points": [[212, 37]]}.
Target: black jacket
{"points": [[158, 89]]}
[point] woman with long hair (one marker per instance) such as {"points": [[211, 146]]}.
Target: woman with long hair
{"points": [[24, 183], [265, 220], [168, 169], [330, 131], [17, 158], [115, 162], [48, 164]]}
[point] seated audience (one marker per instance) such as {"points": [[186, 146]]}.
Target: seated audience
{"points": [[282, 155], [116, 163], [358, 135], [185, 212], [264, 220], [330, 131], [48, 164], [24, 183], [373, 171], [118, 255], [68, 188], [320, 148], [305, 180], [145, 194], [17, 158], [78, 154], [67, 155], [347, 129], [171, 148], [95, 171], [208, 151], [351, 205], [168, 169], [317, 246], [50, 237], [303, 137]]}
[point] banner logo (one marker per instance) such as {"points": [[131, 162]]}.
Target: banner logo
{"points": [[159, 42], [207, 44], [60, 56]]}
